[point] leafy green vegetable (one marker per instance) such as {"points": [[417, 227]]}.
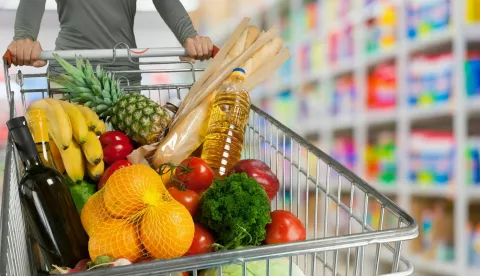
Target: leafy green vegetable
{"points": [[80, 192], [278, 267], [237, 209]]}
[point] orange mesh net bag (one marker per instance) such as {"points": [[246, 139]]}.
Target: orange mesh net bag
{"points": [[134, 217]]}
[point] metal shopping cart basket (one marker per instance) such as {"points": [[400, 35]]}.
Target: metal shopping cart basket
{"points": [[352, 229]]}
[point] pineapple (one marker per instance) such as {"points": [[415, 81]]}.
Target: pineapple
{"points": [[142, 119]]}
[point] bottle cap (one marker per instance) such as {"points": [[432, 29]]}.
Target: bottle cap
{"points": [[239, 73], [16, 123]]}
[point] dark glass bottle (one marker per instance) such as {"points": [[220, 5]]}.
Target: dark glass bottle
{"points": [[53, 222]]}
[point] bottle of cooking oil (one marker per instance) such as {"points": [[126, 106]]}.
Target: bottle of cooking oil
{"points": [[226, 128]]}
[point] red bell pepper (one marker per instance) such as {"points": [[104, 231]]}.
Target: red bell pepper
{"points": [[116, 146], [113, 168]]}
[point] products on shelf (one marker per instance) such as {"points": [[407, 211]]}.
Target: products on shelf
{"points": [[427, 16], [436, 226], [473, 242], [308, 16], [382, 87], [381, 31], [304, 56], [344, 95], [472, 9], [340, 45], [344, 151], [312, 102], [432, 157], [390, 221], [381, 161], [473, 161], [472, 73], [430, 79]]}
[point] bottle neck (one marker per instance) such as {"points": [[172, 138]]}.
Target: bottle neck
{"points": [[23, 140], [39, 129]]}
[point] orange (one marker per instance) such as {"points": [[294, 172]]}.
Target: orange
{"points": [[93, 213], [117, 239], [167, 230], [131, 189]]}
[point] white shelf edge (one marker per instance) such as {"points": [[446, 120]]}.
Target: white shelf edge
{"points": [[473, 193], [446, 191], [435, 111], [376, 117], [433, 39], [472, 33]]}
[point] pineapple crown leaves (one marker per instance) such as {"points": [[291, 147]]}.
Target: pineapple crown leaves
{"points": [[84, 85]]}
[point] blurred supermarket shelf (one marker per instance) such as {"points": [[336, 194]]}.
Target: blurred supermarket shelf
{"points": [[422, 264], [382, 56], [473, 271], [473, 193], [430, 112], [443, 191], [473, 105], [375, 117], [472, 32], [386, 189], [432, 40], [342, 121]]}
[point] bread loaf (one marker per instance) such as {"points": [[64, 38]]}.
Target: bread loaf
{"points": [[262, 56], [247, 38]]}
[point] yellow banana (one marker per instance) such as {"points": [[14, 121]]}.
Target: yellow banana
{"points": [[95, 171], [57, 157], [91, 118], [101, 128], [58, 122], [79, 126], [92, 149], [74, 162]]}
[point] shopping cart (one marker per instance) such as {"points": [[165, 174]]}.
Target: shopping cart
{"points": [[352, 229]]}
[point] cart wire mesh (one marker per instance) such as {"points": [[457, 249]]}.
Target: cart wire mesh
{"points": [[352, 229]]}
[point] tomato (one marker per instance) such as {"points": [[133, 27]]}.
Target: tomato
{"points": [[195, 174], [285, 227], [188, 198], [202, 241]]}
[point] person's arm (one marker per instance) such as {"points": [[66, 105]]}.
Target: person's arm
{"points": [[25, 48], [178, 20]]}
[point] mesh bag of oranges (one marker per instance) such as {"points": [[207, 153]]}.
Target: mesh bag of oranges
{"points": [[134, 217]]}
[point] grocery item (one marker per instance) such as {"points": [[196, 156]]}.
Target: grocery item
{"points": [[57, 236], [203, 241], [91, 118], [95, 172], [194, 174], [59, 126], [285, 227], [472, 73], [57, 157], [116, 146], [237, 210], [226, 128], [432, 157], [425, 17], [74, 161], [113, 168], [187, 198], [381, 159], [259, 171], [382, 87], [277, 267], [79, 125], [249, 35], [81, 192], [133, 216], [140, 118], [344, 96], [37, 123]]}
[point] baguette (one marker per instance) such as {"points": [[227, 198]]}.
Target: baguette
{"points": [[246, 40], [263, 55], [265, 70]]}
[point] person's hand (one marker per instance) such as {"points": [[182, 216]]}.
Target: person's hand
{"points": [[26, 52], [198, 47]]}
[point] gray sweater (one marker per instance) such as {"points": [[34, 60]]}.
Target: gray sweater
{"points": [[99, 24]]}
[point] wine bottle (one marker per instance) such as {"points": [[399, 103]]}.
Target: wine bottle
{"points": [[50, 213]]}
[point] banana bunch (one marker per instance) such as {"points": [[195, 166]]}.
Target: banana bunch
{"points": [[74, 144]]}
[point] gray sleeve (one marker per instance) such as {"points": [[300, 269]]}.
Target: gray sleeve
{"points": [[28, 19], [176, 17]]}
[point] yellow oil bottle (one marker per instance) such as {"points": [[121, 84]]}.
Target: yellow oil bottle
{"points": [[222, 148]]}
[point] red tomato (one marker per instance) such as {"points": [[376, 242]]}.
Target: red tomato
{"points": [[285, 227], [188, 198], [113, 168], [202, 241], [195, 174]]}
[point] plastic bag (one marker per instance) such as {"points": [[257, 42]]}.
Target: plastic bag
{"points": [[185, 137]]}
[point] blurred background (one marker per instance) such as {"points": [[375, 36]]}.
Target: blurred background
{"points": [[391, 89]]}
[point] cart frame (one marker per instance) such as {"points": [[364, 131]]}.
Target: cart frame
{"points": [[304, 171]]}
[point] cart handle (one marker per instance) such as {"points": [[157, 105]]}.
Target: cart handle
{"points": [[110, 53]]}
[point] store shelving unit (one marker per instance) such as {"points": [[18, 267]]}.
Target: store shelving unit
{"points": [[457, 38]]}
